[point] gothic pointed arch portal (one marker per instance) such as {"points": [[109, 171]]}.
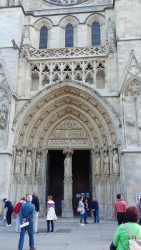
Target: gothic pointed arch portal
{"points": [[67, 116]]}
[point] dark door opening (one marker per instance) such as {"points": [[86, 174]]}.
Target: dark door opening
{"points": [[82, 183], [81, 175], [55, 177]]}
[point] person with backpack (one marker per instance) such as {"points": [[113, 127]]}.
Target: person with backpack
{"points": [[128, 234], [16, 210]]}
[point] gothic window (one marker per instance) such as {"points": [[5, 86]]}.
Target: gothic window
{"points": [[69, 36], [95, 34], [43, 38]]}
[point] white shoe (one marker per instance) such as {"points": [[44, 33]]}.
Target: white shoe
{"points": [[81, 224], [9, 225]]}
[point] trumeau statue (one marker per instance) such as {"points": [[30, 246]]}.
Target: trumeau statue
{"points": [[68, 165], [3, 109]]}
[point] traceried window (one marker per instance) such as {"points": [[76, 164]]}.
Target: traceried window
{"points": [[69, 36], [43, 38], [95, 34]]}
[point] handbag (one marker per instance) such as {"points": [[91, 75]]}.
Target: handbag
{"points": [[79, 209], [112, 247]]}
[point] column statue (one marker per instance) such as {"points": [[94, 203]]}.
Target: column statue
{"points": [[38, 165], [97, 164], [28, 163], [18, 163], [106, 164], [115, 162], [68, 165]]}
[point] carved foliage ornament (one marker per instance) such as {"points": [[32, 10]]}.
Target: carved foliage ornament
{"points": [[65, 2], [133, 89]]}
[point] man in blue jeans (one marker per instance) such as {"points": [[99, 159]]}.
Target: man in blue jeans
{"points": [[27, 211], [95, 209]]}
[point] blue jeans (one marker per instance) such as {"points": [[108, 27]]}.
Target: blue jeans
{"points": [[82, 217], [96, 216], [29, 229]]}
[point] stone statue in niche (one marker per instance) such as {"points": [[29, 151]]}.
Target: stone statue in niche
{"points": [[28, 163], [68, 165], [106, 163], [38, 165], [115, 162], [18, 162], [3, 109], [97, 164]]}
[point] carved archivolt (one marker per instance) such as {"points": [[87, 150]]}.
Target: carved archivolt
{"points": [[95, 123]]}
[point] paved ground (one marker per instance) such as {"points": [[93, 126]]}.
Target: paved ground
{"points": [[68, 235]]}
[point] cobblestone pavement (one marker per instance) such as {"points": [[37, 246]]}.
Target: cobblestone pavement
{"points": [[68, 235]]}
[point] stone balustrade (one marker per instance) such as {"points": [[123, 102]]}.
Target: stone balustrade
{"points": [[43, 54]]}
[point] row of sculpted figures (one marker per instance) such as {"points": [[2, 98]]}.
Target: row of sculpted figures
{"points": [[107, 162], [27, 163]]}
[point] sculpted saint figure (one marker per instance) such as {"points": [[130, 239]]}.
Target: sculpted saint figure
{"points": [[18, 162], [115, 162], [28, 163], [97, 165], [106, 164], [68, 165], [38, 165]]}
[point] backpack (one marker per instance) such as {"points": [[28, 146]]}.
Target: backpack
{"points": [[134, 242], [16, 209]]}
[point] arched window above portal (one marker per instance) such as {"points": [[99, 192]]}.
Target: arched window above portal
{"points": [[69, 32], [69, 36], [96, 40], [96, 30], [42, 34]]}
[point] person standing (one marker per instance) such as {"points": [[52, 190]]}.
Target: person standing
{"points": [[126, 231], [95, 209], [120, 207], [82, 211], [86, 207], [8, 207], [16, 210], [27, 211], [139, 209], [51, 215], [35, 201]]}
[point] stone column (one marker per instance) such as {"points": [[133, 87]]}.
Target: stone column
{"points": [[67, 210]]}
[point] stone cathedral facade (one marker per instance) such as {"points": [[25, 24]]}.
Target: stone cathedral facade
{"points": [[70, 101]]}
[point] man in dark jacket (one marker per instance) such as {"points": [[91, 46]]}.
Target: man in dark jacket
{"points": [[35, 201], [8, 210], [27, 211], [95, 209]]}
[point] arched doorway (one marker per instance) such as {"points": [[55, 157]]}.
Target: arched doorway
{"points": [[67, 116]]}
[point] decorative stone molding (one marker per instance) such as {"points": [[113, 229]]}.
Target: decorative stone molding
{"points": [[34, 54], [95, 18], [69, 19], [110, 39], [43, 22]]}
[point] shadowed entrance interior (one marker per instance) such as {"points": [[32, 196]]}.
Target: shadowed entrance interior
{"points": [[81, 171]]}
